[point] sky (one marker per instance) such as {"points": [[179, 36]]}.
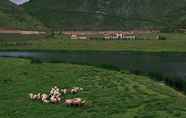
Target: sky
{"points": [[19, 2]]}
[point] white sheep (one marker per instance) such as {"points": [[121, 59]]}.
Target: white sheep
{"points": [[65, 91], [33, 96], [72, 90], [53, 99], [55, 96], [57, 93], [74, 102], [38, 96], [68, 102], [44, 98], [76, 89], [52, 91]]}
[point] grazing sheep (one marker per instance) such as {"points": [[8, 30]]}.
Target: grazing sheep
{"points": [[58, 99], [73, 90], [56, 88], [76, 90], [77, 99], [38, 96], [33, 96], [44, 98], [54, 99], [74, 102], [65, 91], [52, 91], [57, 93], [46, 101], [68, 102], [55, 96]]}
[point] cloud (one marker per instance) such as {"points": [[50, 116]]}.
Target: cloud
{"points": [[19, 2]]}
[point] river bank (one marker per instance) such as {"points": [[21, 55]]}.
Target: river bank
{"points": [[168, 68], [94, 45]]}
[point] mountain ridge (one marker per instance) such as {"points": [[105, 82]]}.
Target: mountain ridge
{"points": [[107, 14]]}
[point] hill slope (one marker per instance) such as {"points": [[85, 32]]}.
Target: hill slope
{"points": [[112, 94], [12, 16], [109, 14]]}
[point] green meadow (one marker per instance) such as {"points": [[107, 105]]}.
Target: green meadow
{"points": [[111, 94], [175, 42]]}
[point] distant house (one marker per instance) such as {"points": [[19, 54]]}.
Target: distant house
{"points": [[73, 36], [19, 2], [107, 35], [119, 36]]}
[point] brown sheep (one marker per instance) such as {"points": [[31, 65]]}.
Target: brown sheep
{"points": [[74, 102]]}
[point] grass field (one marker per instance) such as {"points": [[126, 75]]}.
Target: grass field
{"points": [[112, 94], [175, 43]]}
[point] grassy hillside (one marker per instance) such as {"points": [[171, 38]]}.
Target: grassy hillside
{"points": [[94, 14], [112, 94], [109, 14], [12, 16]]}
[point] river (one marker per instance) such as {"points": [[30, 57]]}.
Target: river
{"points": [[166, 64]]}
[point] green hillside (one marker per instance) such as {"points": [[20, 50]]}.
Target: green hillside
{"points": [[12, 16], [111, 94], [109, 14], [94, 14]]}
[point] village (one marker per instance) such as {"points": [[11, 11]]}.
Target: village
{"points": [[106, 35]]}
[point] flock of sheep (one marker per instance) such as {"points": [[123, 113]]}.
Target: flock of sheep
{"points": [[57, 96]]}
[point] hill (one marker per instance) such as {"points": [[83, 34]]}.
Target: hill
{"points": [[109, 14], [94, 14], [12, 16], [111, 94]]}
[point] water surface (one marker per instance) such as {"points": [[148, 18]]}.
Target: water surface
{"points": [[166, 64]]}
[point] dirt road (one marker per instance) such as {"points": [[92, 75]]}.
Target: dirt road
{"points": [[21, 32]]}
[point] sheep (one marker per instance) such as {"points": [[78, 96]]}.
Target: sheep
{"points": [[73, 90], [33, 96], [77, 99], [44, 98], [55, 96], [76, 90], [74, 102], [57, 93], [55, 99], [54, 90], [65, 91], [79, 102], [58, 99], [38, 96], [68, 102]]}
